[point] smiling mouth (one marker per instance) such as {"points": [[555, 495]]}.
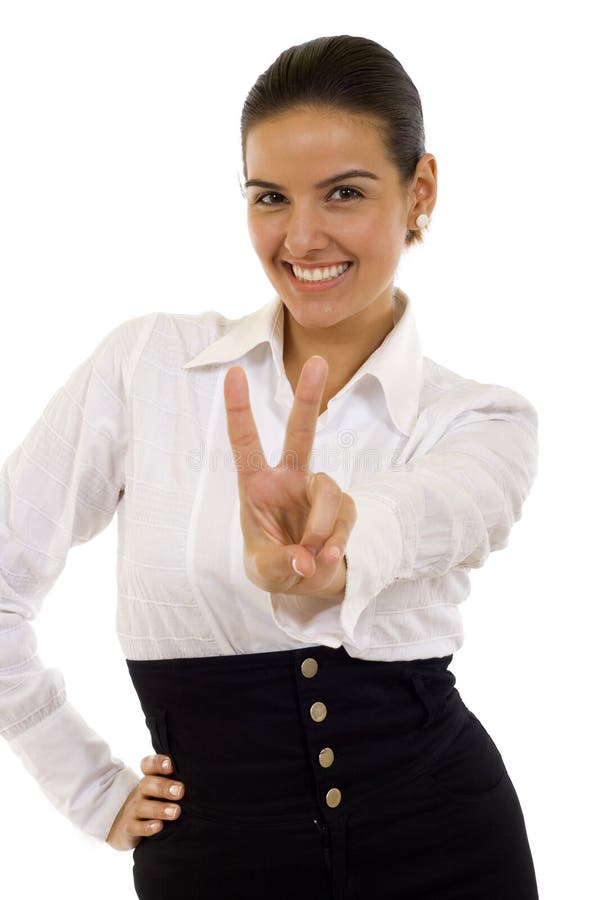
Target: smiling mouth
{"points": [[347, 263]]}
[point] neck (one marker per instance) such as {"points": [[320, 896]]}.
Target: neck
{"points": [[345, 346]]}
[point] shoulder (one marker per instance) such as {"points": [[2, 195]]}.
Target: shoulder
{"points": [[176, 337], [197, 329], [167, 338], [447, 395]]}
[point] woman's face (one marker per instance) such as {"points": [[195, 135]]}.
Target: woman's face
{"points": [[294, 217]]}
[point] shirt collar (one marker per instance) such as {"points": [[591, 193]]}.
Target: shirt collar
{"points": [[397, 363]]}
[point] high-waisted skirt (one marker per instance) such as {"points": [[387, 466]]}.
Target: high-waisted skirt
{"points": [[309, 773]]}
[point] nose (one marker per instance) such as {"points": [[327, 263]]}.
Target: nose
{"points": [[305, 231]]}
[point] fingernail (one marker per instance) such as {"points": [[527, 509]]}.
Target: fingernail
{"points": [[166, 764], [335, 552], [294, 567], [175, 790]]}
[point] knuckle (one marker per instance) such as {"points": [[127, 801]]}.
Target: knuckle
{"points": [[139, 810], [327, 484], [132, 822], [144, 810], [160, 787], [145, 786], [302, 429], [262, 569], [149, 787], [350, 506], [153, 810], [332, 495], [317, 535], [154, 787]]}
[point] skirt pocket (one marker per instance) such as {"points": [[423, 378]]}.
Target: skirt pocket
{"points": [[156, 721], [471, 768]]}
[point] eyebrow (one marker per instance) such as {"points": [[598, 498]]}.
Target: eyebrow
{"points": [[351, 173]]}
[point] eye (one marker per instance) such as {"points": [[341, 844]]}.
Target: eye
{"points": [[347, 188], [260, 198]]}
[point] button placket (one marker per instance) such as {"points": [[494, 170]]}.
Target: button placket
{"points": [[318, 712]]}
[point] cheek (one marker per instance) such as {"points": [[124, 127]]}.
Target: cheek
{"points": [[370, 240], [263, 235], [381, 235]]}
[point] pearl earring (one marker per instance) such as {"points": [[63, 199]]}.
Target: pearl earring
{"points": [[422, 220]]}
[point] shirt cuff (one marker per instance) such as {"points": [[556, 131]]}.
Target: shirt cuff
{"points": [[308, 619], [75, 770], [370, 563], [372, 553]]}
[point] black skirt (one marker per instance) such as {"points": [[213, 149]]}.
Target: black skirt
{"points": [[312, 774]]}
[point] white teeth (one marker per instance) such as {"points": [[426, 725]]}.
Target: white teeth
{"points": [[319, 274]]}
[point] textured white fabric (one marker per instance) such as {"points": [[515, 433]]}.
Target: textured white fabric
{"points": [[438, 465]]}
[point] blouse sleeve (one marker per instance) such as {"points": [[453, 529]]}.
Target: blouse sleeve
{"points": [[59, 488], [450, 500]]}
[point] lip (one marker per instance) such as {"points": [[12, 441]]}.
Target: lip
{"points": [[317, 265], [312, 287]]}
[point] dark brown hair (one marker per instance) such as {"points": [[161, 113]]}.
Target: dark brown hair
{"points": [[353, 74]]}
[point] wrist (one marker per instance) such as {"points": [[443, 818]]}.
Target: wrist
{"points": [[337, 588]]}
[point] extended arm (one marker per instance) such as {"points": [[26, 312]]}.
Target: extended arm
{"points": [[448, 501]]}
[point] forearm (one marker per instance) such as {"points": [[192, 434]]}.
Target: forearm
{"points": [[446, 504], [337, 588]]}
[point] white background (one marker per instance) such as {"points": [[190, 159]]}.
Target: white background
{"points": [[119, 195]]}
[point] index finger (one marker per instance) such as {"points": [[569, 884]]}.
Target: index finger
{"points": [[241, 427], [302, 421]]}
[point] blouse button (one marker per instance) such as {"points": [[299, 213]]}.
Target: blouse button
{"points": [[309, 667], [326, 757], [333, 797], [318, 711]]}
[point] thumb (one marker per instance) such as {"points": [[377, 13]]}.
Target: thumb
{"points": [[302, 560]]}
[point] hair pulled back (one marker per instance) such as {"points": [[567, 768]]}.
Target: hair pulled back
{"points": [[344, 73]]}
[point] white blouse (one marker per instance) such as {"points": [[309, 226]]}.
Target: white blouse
{"points": [[438, 466]]}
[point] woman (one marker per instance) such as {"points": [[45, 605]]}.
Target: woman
{"points": [[288, 628]]}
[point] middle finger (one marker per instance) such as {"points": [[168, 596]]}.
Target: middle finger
{"points": [[154, 809], [161, 787]]}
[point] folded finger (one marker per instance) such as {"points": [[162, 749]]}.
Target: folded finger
{"points": [[325, 496], [338, 539], [155, 763]]}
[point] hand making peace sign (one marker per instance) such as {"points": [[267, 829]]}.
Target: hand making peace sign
{"points": [[286, 510]]}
